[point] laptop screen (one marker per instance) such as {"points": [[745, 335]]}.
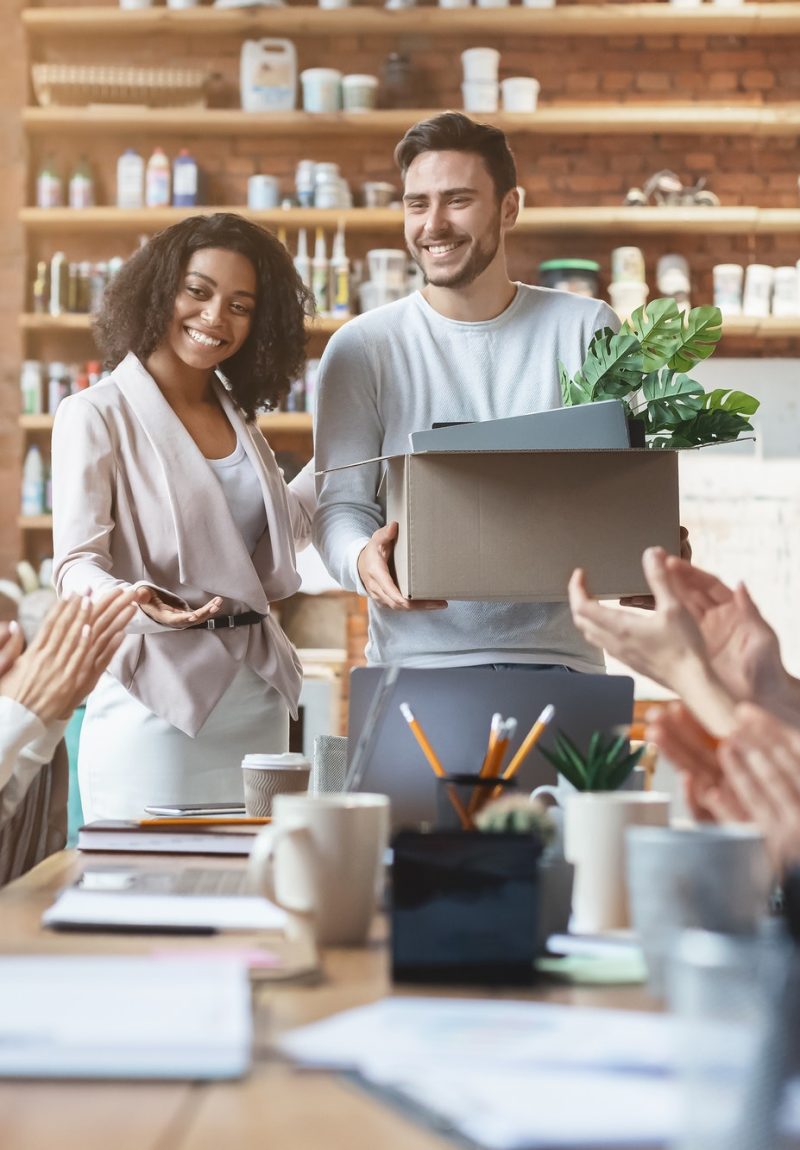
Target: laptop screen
{"points": [[454, 707]]}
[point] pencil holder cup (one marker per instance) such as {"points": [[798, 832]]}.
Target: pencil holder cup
{"points": [[464, 908], [459, 795]]}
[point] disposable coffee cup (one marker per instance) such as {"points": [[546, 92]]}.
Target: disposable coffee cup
{"points": [[265, 776]]}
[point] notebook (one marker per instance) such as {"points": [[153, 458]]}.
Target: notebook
{"points": [[454, 706]]}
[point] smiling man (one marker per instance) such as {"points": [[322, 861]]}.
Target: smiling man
{"points": [[471, 345]]}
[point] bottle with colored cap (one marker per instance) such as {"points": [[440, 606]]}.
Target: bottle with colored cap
{"points": [[184, 180], [157, 180]]}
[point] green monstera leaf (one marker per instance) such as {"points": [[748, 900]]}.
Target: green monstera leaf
{"points": [[612, 368], [700, 335], [707, 427], [738, 402], [671, 339], [645, 364], [671, 398], [658, 326]]}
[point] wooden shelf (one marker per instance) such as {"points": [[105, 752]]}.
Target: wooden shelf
{"points": [[28, 321], [277, 422], [575, 119], [551, 220], [45, 220], [567, 20], [35, 522]]}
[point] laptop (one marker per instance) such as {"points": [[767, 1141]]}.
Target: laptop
{"points": [[454, 707]]}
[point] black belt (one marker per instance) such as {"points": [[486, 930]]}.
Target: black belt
{"points": [[221, 622]]}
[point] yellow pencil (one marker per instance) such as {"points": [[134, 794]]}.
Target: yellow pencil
{"points": [[529, 742], [438, 769], [494, 733]]}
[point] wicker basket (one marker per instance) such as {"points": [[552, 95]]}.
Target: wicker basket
{"points": [[80, 84]]}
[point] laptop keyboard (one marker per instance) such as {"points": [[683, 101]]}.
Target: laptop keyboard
{"points": [[194, 880]]}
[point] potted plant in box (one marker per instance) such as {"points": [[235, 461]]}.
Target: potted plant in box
{"points": [[645, 365]]}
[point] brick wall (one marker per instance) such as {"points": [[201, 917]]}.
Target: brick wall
{"points": [[572, 170]]}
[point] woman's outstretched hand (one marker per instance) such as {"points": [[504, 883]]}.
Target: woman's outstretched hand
{"points": [[160, 610]]}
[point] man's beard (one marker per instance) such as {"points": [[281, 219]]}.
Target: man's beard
{"points": [[462, 277]]}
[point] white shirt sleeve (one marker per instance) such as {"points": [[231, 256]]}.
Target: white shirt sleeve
{"points": [[348, 429], [84, 476], [26, 744], [301, 494]]}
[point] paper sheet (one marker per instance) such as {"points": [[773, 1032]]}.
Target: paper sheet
{"points": [[80, 908], [123, 1018]]}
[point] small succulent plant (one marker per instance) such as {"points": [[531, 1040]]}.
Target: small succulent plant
{"points": [[517, 814], [605, 766]]}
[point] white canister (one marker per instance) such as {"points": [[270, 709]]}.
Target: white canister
{"points": [[538, 3], [454, 3], [757, 289], [728, 280], [359, 92], [493, 3], [626, 297], [627, 265], [263, 193], [520, 93], [334, 3], [322, 89], [480, 96], [480, 64], [786, 292]]}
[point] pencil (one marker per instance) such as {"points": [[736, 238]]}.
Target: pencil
{"points": [[494, 733], [438, 769], [199, 821], [530, 741]]}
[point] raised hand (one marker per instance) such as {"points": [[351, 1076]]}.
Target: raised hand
{"points": [[11, 643], [71, 650], [743, 649]]}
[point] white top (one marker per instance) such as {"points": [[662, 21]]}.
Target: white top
{"points": [[400, 368], [242, 490]]}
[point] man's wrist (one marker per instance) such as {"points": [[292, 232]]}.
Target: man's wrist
{"points": [[704, 695]]}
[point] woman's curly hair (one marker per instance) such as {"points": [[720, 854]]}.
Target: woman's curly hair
{"points": [[138, 305]]}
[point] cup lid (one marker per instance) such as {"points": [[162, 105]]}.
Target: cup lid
{"points": [[288, 759]]}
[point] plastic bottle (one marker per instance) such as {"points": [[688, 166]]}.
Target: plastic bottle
{"points": [[49, 192], [59, 273], [58, 385], [33, 482], [184, 180], [30, 385], [340, 277], [41, 288], [157, 180], [81, 185], [302, 264], [320, 272], [130, 179]]}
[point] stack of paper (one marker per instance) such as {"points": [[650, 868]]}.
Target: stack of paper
{"points": [[72, 1017]]}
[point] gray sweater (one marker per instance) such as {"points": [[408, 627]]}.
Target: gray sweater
{"points": [[399, 369]]}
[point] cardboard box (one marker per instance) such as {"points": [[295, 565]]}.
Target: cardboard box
{"points": [[513, 525]]}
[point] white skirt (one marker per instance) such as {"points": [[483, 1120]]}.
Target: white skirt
{"points": [[129, 758]]}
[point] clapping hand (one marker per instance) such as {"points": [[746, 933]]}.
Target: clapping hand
{"points": [[73, 647]]}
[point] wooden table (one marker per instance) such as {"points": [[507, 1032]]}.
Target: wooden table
{"points": [[272, 1109]]}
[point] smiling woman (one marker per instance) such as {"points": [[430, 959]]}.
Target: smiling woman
{"points": [[163, 483]]}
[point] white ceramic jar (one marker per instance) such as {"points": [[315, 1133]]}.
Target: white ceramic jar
{"points": [[322, 90]]}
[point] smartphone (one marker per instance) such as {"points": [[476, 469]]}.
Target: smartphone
{"points": [[180, 810]]}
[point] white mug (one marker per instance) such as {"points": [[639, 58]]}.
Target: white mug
{"points": [[323, 856]]}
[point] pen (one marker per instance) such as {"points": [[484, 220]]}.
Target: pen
{"points": [[199, 821], [438, 769]]}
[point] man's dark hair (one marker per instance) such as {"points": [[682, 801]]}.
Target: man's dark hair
{"points": [[139, 303], [455, 132]]}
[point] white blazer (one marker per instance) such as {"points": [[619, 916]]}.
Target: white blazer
{"points": [[135, 502]]}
